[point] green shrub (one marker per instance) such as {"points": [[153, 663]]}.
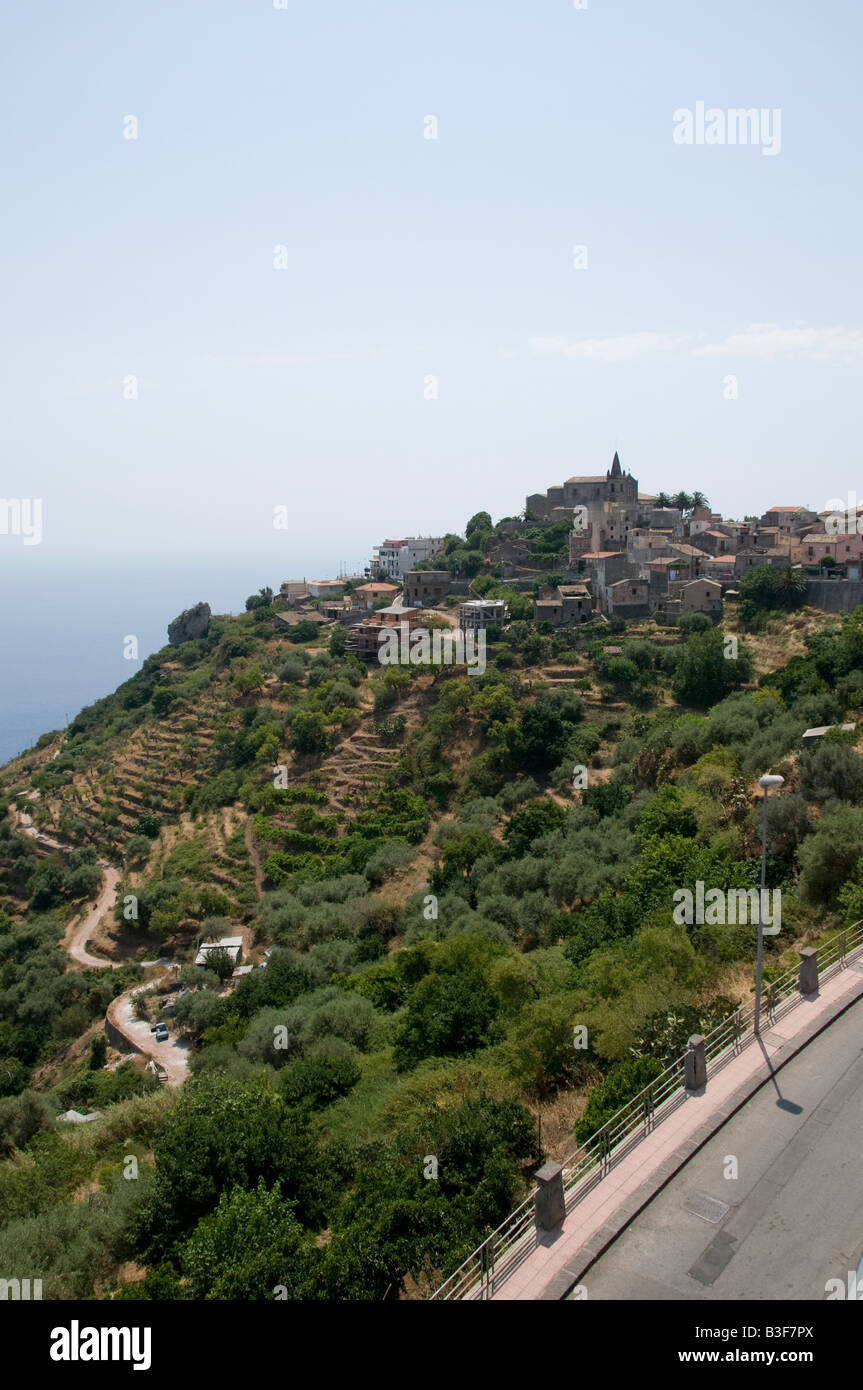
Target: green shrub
{"points": [[620, 1086]]}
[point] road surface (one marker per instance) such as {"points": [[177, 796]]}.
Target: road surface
{"points": [[76, 937], [173, 1055], [794, 1217], [76, 941]]}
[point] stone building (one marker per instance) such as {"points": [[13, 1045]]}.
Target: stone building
{"points": [[615, 487], [425, 588], [789, 520], [629, 598], [701, 596], [605, 567], [568, 603], [370, 594], [817, 545], [745, 560], [364, 638]]}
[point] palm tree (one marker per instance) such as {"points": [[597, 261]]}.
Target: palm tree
{"points": [[790, 589], [662, 499], [699, 500], [682, 500]]}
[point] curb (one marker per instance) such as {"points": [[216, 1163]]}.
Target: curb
{"points": [[562, 1284]]}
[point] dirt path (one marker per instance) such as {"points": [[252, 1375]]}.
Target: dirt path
{"points": [[254, 856], [77, 936], [26, 826], [171, 1056]]}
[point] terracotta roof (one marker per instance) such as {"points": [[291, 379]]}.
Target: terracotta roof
{"points": [[376, 589]]}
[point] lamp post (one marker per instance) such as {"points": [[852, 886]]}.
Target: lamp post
{"points": [[765, 783]]}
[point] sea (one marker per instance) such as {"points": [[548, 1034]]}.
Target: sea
{"points": [[64, 629]]}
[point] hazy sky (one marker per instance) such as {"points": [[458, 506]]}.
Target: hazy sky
{"points": [[410, 258]]}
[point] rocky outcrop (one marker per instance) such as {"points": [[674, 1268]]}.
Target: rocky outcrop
{"points": [[194, 622]]}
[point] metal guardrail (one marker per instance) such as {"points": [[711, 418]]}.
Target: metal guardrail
{"points": [[516, 1238]]}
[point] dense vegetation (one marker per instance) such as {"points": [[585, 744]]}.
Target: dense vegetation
{"points": [[443, 902]]}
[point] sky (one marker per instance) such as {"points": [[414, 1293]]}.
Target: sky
{"points": [[281, 294]]}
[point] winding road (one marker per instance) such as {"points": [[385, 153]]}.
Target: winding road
{"points": [[171, 1056], [78, 936]]}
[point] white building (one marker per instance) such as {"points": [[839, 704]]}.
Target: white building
{"points": [[233, 945], [395, 557], [325, 588]]}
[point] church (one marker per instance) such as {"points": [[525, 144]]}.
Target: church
{"points": [[616, 489]]}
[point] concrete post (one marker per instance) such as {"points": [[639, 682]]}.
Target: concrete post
{"points": [[808, 971], [550, 1204], [695, 1064]]}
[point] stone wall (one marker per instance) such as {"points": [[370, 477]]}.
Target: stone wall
{"points": [[834, 595], [119, 1040]]}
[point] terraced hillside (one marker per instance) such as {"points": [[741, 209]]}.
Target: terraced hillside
{"points": [[426, 901]]}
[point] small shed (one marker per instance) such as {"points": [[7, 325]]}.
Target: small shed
{"points": [[822, 729], [233, 945]]}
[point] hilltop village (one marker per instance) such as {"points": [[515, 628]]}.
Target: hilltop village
{"points": [[588, 551]]}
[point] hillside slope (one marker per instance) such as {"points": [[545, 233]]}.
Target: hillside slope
{"points": [[433, 876]]}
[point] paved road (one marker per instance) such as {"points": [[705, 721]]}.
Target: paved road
{"points": [[795, 1215]]}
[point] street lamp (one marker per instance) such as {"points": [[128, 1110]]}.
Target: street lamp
{"points": [[765, 783]]}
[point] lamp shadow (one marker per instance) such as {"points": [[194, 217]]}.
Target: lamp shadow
{"points": [[782, 1103]]}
